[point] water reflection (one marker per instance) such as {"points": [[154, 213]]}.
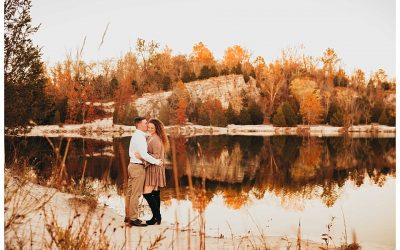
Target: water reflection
{"points": [[290, 167], [285, 177]]}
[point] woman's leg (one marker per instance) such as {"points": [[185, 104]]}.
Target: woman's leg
{"points": [[148, 195], [156, 195], [148, 189]]}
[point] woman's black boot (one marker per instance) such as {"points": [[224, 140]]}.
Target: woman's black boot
{"points": [[157, 214], [153, 206]]}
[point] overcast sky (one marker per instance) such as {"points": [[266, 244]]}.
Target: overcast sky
{"points": [[362, 32]]}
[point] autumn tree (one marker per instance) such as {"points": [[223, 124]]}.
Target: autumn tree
{"points": [[300, 87], [182, 69], [235, 56], [340, 79], [201, 56], [73, 79], [379, 77], [271, 81], [162, 68], [310, 108], [147, 53], [128, 83], [24, 72], [178, 104], [346, 99], [357, 80], [213, 111], [330, 62]]}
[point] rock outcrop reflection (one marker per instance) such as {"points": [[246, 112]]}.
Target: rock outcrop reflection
{"points": [[291, 167]]}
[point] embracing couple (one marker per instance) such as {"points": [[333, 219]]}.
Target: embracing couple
{"points": [[146, 172]]}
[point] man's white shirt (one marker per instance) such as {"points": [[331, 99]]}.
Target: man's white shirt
{"points": [[139, 144]]}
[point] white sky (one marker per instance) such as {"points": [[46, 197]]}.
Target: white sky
{"points": [[362, 32]]}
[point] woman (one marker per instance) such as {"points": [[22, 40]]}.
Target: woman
{"points": [[157, 143]]}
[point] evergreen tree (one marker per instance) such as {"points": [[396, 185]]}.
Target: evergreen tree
{"points": [[256, 115], [24, 72], [166, 83], [377, 110], [113, 86], [237, 69], [57, 119], [188, 76], [279, 119], [383, 119], [337, 118], [205, 72], [231, 116], [290, 116], [244, 117], [204, 118]]}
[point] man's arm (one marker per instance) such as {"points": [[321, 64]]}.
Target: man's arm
{"points": [[142, 146], [131, 151]]}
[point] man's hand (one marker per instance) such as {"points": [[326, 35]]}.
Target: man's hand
{"points": [[161, 163], [138, 156]]}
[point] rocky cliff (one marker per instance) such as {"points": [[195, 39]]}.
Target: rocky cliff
{"points": [[227, 89]]}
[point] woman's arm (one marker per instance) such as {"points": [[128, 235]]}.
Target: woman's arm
{"points": [[155, 149]]}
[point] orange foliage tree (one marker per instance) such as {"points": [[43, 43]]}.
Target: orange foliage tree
{"points": [[234, 56], [311, 108], [357, 80], [330, 62], [201, 56], [178, 103], [271, 81], [73, 79], [215, 112]]}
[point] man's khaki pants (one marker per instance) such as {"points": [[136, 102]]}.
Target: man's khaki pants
{"points": [[136, 175]]}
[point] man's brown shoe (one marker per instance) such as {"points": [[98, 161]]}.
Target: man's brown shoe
{"points": [[137, 223]]}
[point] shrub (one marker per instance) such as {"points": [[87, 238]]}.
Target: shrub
{"points": [[279, 119], [256, 115], [383, 119], [290, 116], [231, 116]]}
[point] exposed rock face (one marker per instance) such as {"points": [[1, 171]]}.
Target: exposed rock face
{"points": [[227, 89]]}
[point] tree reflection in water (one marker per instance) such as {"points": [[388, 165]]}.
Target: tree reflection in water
{"points": [[290, 167]]}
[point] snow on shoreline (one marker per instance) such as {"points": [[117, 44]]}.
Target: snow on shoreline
{"points": [[104, 129]]}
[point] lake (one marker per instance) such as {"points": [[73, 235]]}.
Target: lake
{"points": [[249, 184]]}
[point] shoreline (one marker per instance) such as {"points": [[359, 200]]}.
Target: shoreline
{"points": [[105, 218], [105, 130]]}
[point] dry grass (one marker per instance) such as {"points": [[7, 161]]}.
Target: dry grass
{"points": [[85, 231], [26, 207], [82, 232]]}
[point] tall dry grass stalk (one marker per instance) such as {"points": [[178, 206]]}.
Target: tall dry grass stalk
{"points": [[298, 242]]}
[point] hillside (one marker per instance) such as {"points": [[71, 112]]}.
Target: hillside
{"points": [[224, 88]]}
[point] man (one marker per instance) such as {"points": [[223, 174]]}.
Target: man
{"points": [[136, 172]]}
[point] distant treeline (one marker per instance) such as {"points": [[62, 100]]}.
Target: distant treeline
{"points": [[295, 88]]}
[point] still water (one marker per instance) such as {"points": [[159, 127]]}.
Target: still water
{"points": [[254, 185]]}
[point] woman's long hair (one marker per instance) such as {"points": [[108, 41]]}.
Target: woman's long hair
{"points": [[160, 131]]}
